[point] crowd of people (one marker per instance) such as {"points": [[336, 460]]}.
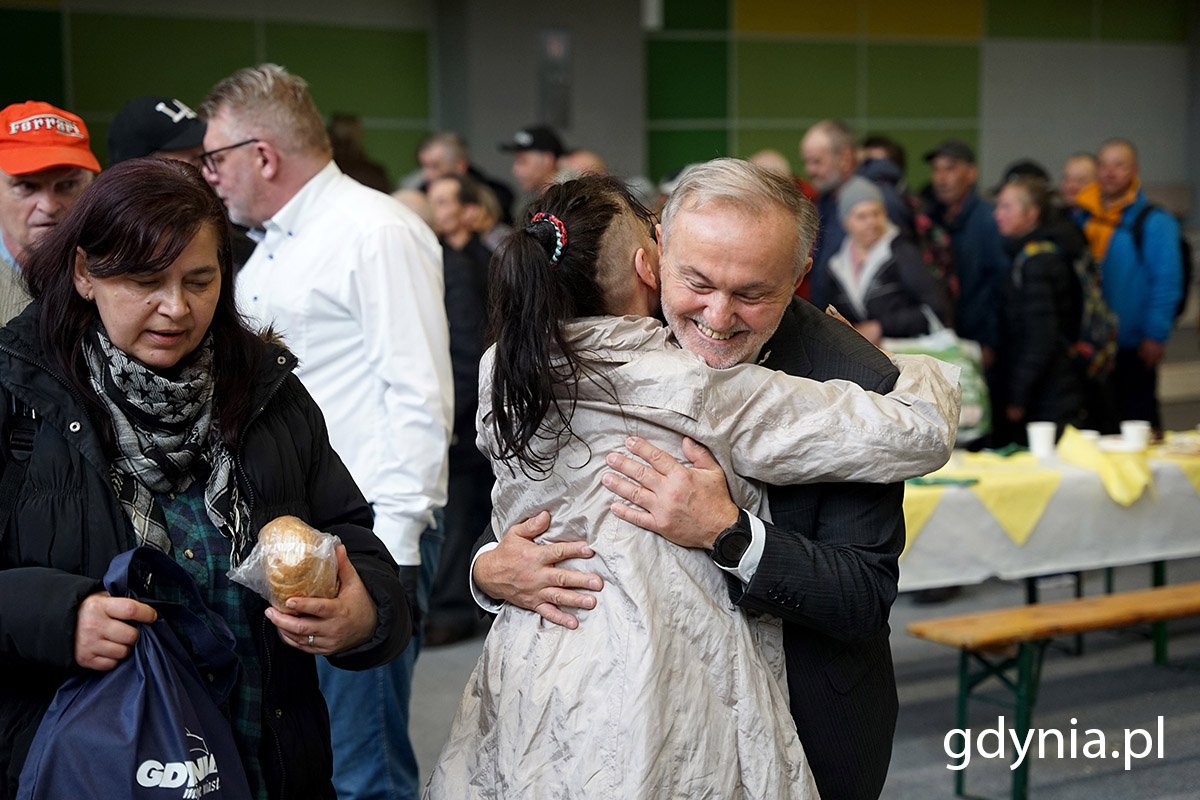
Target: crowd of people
{"points": [[489, 396]]}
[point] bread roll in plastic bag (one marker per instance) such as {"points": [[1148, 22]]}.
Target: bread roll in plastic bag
{"points": [[291, 559]]}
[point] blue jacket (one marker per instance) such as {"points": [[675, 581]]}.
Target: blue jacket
{"points": [[1143, 288], [981, 265]]}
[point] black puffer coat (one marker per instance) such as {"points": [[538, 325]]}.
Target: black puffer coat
{"points": [[67, 524], [1040, 311]]}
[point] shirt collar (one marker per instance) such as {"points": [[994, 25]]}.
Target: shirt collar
{"points": [[295, 211]]}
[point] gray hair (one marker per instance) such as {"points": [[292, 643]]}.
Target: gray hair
{"points": [[453, 145], [270, 102], [836, 132], [747, 186]]}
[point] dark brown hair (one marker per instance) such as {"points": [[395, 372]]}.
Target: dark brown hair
{"points": [[136, 218]]}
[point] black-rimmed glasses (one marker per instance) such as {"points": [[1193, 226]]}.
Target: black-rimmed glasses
{"points": [[211, 164]]}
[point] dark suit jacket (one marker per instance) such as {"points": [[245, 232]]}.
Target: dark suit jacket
{"points": [[829, 570]]}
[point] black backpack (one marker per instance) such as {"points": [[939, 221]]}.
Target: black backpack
{"points": [[1138, 229]]}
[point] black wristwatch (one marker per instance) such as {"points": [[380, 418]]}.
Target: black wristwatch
{"points": [[733, 542]]}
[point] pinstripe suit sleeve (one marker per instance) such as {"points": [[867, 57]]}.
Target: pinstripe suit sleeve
{"points": [[835, 568]]}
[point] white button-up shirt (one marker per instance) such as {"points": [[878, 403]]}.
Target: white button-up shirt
{"points": [[352, 281]]}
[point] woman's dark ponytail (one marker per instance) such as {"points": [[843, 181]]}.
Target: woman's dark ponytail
{"points": [[543, 275]]}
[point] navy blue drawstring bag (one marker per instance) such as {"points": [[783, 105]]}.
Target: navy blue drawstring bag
{"points": [[150, 729]]}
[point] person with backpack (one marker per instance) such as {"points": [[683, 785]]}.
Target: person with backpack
{"points": [[1137, 247], [1039, 317]]}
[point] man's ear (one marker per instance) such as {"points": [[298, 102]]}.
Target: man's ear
{"points": [[83, 278], [646, 268], [803, 272], [268, 159]]}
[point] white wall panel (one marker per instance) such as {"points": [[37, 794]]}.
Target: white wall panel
{"points": [[1046, 100]]}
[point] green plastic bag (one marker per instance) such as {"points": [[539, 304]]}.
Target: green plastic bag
{"points": [[975, 420]]}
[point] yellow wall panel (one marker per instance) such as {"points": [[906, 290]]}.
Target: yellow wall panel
{"points": [[925, 19], [797, 16]]}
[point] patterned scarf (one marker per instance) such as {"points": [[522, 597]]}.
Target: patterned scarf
{"points": [[1103, 219], [165, 439]]}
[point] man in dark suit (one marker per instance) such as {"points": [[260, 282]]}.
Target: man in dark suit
{"points": [[828, 563]]}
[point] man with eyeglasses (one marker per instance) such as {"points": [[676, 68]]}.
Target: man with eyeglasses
{"points": [[353, 282], [45, 164]]}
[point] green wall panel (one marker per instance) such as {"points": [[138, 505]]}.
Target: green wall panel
{"points": [[38, 51], [173, 56], [917, 143], [785, 140], [784, 80], [922, 80], [708, 15], [686, 79], [375, 73], [1038, 19], [1145, 20], [670, 151], [395, 149]]}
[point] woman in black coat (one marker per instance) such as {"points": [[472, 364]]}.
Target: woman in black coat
{"points": [[878, 280], [1039, 317], [137, 410]]}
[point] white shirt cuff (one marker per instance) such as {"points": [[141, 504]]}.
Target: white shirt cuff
{"points": [[746, 568], [488, 604]]}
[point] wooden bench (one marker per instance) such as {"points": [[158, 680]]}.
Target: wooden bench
{"points": [[1013, 640]]}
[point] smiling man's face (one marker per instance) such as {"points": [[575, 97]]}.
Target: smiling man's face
{"points": [[727, 275]]}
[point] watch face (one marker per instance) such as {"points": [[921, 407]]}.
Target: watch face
{"points": [[732, 547]]}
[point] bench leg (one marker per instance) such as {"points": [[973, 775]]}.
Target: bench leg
{"points": [[1158, 630], [1029, 669], [1027, 666]]}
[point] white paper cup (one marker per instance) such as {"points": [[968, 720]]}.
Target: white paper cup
{"points": [[1136, 433], [1041, 438], [1090, 435]]}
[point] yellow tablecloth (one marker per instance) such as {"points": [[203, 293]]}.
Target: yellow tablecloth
{"points": [[1014, 489]]}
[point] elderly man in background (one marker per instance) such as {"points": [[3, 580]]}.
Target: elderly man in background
{"points": [[445, 153], [45, 164], [830, 159], [353, 282]]}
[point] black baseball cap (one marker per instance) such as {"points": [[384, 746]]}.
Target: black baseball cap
{"points": [[535, 137], [953, 148], [152, 124]]}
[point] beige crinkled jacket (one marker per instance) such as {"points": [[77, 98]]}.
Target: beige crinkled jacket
{"points": [[667, 690]]}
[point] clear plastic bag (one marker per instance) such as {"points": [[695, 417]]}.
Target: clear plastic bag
{"points": [[290, 559]]}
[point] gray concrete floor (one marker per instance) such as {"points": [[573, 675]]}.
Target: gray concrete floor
{"points": [[1112, 687]]}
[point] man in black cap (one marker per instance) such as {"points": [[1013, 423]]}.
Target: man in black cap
{"points": [[155, 126], [165, 127], [535, 157], [979, 256]]}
